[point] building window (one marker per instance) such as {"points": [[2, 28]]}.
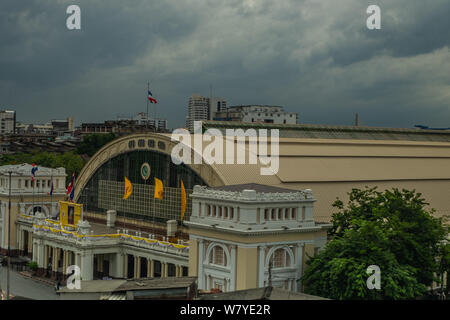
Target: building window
{"points": [[131, 144], [151, 143], [20, 183], [266, 214], [208, 210], [303, 213], [57, 183], [141, 143], [217, 256], [281, 258], [225, 212], [280, 214], [161, 145], [273, 215], [26, 183], [286, 214], [294, 213], [231, 213]]}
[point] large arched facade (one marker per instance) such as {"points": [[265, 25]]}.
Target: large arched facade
{"points": [[330, 161], [100, 186]]}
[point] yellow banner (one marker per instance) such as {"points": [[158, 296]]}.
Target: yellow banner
{"points": [[69, 213], [183, 200], [128, 189], [158, 189]]}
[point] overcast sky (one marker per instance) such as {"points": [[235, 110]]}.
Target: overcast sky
{"points": [[314, 57]]}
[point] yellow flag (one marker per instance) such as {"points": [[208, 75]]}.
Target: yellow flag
{"points": [[183, 200], [158, 189], [128, 189]]}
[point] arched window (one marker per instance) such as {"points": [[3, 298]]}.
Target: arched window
{"points": [[281, 258], [217, 256]]}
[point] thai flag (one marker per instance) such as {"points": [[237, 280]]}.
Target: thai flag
{"points": [[72, 193], [150, 97], [33, 171], [70, 188]]}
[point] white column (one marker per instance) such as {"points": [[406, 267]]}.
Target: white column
{"points": [[77, 259], [299, 263], [87, 265], [261, 267], [137, 266], [119, 266], [125, 258], [233, 263], [30, 242], [4, 226], [38, 255], [152, 268], [19, 237], [200, 275]]}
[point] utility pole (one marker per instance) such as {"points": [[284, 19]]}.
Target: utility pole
{"points": [[9, 238]]}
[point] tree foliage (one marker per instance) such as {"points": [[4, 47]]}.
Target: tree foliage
{"points": [[390, 229], [93, 142], [71, 161]]}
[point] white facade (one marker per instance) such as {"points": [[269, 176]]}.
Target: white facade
{"points": [[28, 197], [65, 247], [160, 124], [258, 113], [7, 121], [22, 184], [35, 128], [245, 214]]}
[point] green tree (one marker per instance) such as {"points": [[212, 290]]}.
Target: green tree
{"points": [[391, 229], [71, 161], [93, 142]]}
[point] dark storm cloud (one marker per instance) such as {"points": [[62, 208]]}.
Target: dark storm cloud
{"points": [[315, 57]]}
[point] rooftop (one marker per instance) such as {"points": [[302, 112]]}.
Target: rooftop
{"points": [[265, 293], [156, 283], [120, 285], [24, 169], [95, 286], [253, 186], [316, 131]]}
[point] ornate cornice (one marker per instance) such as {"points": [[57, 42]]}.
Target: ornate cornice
{"points": [[242, 196]]}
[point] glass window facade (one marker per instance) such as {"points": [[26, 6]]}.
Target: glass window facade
{"points": [[105, 189]]}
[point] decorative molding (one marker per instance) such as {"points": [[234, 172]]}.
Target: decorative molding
{"points": [[206, 193]]}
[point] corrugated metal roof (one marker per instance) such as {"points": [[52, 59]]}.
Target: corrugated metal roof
{"points": [[316, 131], [114, 296]]}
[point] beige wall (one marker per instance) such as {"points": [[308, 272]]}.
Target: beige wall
{"points": [[193, 258], [247, 268], [15, 212]]}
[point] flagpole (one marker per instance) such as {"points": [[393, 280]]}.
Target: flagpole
{"points": [[34, 185], [154, 214], [148, 89], [51, 192]]}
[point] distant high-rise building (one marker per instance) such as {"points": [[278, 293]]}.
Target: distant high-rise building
{"points": [[7, 121], [203, 108]]}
